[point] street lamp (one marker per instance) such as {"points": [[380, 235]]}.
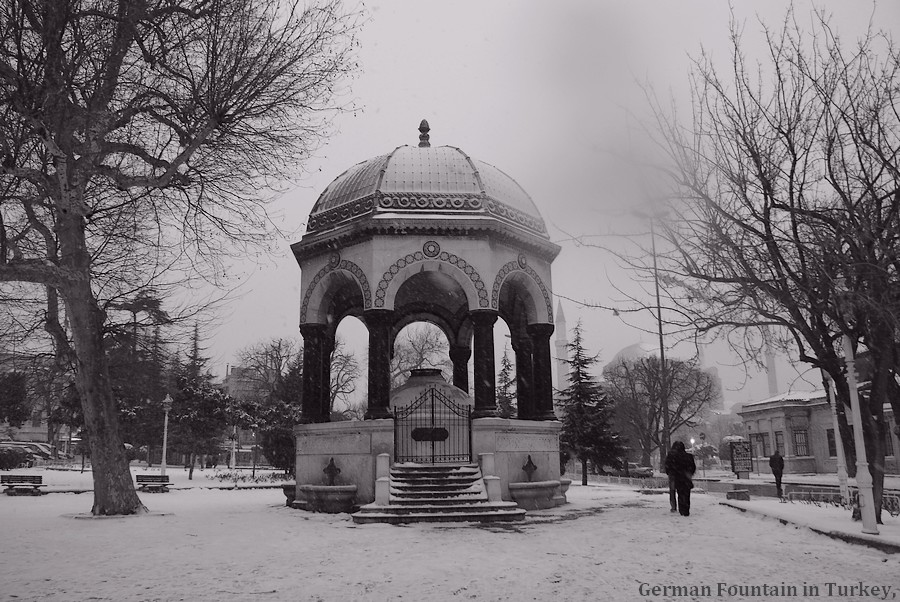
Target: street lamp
{"points": [[838, 440], [663, 396], [167, 405], [254, 427], [863, 477]]}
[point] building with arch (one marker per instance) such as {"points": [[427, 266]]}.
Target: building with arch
{"points": [[426, 233]]}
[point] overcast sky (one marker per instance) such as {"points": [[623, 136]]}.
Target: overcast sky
{"points": [[533, 88]]}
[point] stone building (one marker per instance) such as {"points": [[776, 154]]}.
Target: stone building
{"points": [[801, 427]]}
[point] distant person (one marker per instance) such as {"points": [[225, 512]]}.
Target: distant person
{"points": [[680, 467], [776, 463]]}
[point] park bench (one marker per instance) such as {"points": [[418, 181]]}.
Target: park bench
{"points": [[18, 484], [153, 482]]}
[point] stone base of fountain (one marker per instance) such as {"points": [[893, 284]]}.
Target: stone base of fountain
{"points": [[536, 495], [331, 499]]}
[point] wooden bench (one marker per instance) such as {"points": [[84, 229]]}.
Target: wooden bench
{"points": [[19, 484], [153, 483]]}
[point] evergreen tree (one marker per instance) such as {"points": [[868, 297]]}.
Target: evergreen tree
{"points": [[586, 431], [506, 387]]}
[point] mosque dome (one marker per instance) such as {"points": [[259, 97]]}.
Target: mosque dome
{"points": [[425, 182]]}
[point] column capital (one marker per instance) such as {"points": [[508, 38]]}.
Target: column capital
{"points": [[484, 317], [540, 331], [378, 316], [313, 329]]}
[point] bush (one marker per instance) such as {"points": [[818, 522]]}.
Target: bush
{"points": [[237, 476], [14, 457]]}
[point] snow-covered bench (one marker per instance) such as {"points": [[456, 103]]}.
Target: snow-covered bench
{"points": [[22, 483], [153, 482]]}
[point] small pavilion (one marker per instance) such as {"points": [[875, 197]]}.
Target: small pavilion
{"points": [[427, 233]]}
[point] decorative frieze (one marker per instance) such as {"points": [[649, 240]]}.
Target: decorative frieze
{"points": [[521, 265], [442, 256], [427, 202]]}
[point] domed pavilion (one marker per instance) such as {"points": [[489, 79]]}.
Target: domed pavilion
{"points": [[427, 233]]}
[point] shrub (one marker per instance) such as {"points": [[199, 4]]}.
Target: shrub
{"points": [[13, 457]]}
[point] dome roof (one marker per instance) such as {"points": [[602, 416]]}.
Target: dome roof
{"points": [[425, 180]]}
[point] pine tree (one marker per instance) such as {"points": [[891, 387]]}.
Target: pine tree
{"points": [[506, 387], [586, 430]]}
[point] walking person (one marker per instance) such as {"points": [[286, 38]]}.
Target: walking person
{"points": [[680, 467], [776, 463]]}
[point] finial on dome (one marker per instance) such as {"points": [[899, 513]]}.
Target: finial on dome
{"points": [[423, 134]]}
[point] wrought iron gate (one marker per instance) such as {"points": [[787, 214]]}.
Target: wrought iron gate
{"points": [[433, 430]]}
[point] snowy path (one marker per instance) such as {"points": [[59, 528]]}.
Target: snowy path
{"points": [[245, 545]]}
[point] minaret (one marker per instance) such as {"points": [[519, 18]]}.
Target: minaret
{"points": [[562, 351], [770, 363]]}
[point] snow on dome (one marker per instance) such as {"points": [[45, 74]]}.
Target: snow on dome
{"points": [[425, 179]]}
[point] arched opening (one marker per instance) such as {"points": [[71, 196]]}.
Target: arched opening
{"points": [[420, 345], [349, 370]]}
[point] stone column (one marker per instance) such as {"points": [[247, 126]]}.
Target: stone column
{"points": [[524, 378], [485, 374], [459, 355], [327, 348], [379, 323], [543, 377], [313, 345]]}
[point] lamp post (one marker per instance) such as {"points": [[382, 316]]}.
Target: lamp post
{"points": [[838, 440], [255, 427], [233, 456], [663, 396], [167, 405], [863, 477]]}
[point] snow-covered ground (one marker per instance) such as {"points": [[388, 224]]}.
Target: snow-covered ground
{"points": [[208, 544]]}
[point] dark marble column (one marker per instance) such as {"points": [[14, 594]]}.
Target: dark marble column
{"points": [[485, 373], [313, 347], [379, 323], [459, 355], [524, 378], [327, 348], [543, 377]]}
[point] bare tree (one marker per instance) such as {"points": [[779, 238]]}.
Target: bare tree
{"points": [[149, 126], [634, 390], [419, 346], [344, 372], [784, 183], [267, 363]]}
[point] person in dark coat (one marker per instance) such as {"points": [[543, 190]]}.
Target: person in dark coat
{"points": [[680, 467], [776, 463]]}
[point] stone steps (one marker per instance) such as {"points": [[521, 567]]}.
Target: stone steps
{"points": [[440, 493]]}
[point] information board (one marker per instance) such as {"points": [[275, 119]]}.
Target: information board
{"points": [[741, 457]]}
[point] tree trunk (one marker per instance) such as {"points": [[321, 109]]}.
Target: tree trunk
{"points": [[191, 468], [114, 491], [584, 470]]}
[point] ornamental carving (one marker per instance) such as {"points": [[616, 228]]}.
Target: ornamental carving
{"points": [[431, 248], [431, 201], [520, 265], [424, 201], [335, 263], [443, 257], [329, 218]]}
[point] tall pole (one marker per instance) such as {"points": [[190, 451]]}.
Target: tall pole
{"points": [[167, 405], [255, 445], [838, 440], [233, 458], [663, 394], [863, 477]]}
